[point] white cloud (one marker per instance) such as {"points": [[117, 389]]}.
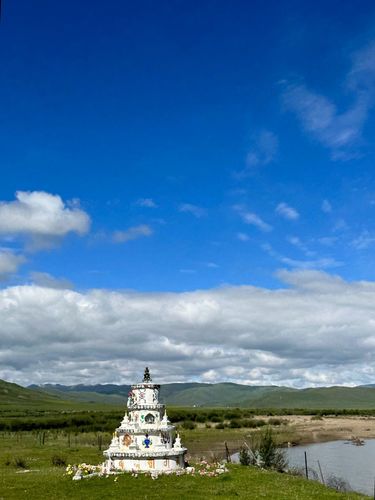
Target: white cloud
{"points": [[326, 207], [146, 202], [361, 78], [271, 336], [9, 262], [364, 240], [320, 118], [192, 209], [255, 220], [296, 241], [243, 237], [321, 263], [328, 241], [286, 211], [212, 265], [41, 216], [188, 271], [263, 151], [340, 225], [132, 233], [341, 132], [252, 218]]}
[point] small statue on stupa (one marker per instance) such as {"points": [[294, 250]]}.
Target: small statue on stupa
{"points": [[147, 377]]}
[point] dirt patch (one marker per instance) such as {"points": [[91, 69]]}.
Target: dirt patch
{"points": [[309, 430]]}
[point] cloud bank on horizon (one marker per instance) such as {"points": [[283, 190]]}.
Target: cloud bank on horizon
{"points": [[315, 330]]}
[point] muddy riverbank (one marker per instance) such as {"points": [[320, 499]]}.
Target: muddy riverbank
{"points": [[306, 429]]}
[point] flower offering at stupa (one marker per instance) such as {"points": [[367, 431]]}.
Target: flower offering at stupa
{"points": [[145, 440]]}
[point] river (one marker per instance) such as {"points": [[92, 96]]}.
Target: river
{"points": [[341, 459]]}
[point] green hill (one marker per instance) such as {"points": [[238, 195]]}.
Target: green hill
{"points": [[85, 396], [190, 394], [13, 394], [322, 397], [225, 394], [13, 398]]}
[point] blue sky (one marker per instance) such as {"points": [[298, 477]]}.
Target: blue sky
{"points": [[179, 146]]}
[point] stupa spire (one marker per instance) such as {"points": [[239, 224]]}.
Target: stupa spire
{"points": [[147, 376]]}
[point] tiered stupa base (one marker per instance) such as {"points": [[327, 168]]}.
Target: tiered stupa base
{"points": [[142, 462]]}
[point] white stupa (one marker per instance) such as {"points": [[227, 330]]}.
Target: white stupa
{"points": [[145, 440]]}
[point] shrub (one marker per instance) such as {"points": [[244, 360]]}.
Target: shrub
{"points": [[235, 424], [212, 414], [275, 421], [220, 425], [245, 456], [232, 414], [188, 424], [248, 413], [271, 457], [20, 462], [58, 461], [265, 451], [338, 484], [201, 418], [252, 423]]}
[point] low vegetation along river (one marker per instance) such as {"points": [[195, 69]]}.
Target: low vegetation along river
{"points": [[341, 459]]}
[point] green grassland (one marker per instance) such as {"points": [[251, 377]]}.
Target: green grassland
{"points": [[39, 429], [202, 439], [45, 480]]}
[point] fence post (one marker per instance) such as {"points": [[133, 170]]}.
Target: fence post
{"points": [[321, 473], [227, 452], [306, 470]]}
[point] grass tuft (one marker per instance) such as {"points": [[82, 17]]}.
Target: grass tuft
{"points": [[20, 462], [58, 461]]}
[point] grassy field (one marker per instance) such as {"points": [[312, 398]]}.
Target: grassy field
{"points": [[47, 481], [38, 440], [75, 428], [201, 442]]}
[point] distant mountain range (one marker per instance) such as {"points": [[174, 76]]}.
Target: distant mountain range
{"points": [[191, 394], [225, 394]]}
